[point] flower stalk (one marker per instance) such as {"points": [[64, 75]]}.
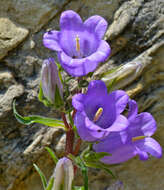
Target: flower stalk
{"points": [[69, 135]]}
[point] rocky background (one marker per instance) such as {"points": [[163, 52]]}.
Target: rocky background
{"points": [[136, 35]]}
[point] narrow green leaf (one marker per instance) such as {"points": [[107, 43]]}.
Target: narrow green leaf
{"points": [[50, 184], [94, 156], [42, 176], [27, 120], [52, 154], [100, 165]]}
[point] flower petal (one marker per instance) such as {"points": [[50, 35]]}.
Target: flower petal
{"points": [[95, 98], [97, 87], [77, 102], [119, 99], [87, 130], [121, 123], [81, 67], [79, 122], [143, 125], [142, 154], [76, 67], [133, 110], [112, 142], [151, 146], [101, 54], [97, 24], [70, 20], [122, 154], [51, 40], [88, 42]]}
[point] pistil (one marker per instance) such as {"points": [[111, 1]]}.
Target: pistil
{"points": [[98, 114], [77, 43], [137, 138]]}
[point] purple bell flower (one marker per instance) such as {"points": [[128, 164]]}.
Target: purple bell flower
{"points": [[79, 45], [135, 140], [99, 113], [50, 80]]}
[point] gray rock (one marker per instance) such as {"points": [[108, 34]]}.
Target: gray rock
{"points": [[32, 14], [10, 35]]}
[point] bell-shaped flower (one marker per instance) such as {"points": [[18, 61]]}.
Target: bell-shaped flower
{"points": [[79, 44], [50, 83], [135, 140], [63, 175], [99, 113]]}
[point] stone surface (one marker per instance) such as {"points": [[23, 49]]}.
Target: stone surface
{"points": [[135, 33], [32, 14], [10, 35]]}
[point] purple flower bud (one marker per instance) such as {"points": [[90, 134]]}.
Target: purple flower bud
{"points": [[50, 80], [63, 174]]}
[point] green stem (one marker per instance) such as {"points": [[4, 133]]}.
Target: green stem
{"points": [[85, 177]]}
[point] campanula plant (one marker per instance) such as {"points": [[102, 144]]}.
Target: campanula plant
{"points": [[108, 122]]}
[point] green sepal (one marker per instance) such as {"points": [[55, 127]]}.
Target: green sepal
{"points": [[52, 154], [83, 83], [105, 74], [58, 99], [50, 184], [78, 188], [94, 156], [70, 118], [42, 176], [27, 120], [90, 74], [111, 84], [43, 99]]}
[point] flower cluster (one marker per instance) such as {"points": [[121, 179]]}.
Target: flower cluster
{"points": [[99, 118], [99, 115]]}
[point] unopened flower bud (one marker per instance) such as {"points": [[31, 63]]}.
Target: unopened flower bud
{"points": [[51, 85], [63, 175]]}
